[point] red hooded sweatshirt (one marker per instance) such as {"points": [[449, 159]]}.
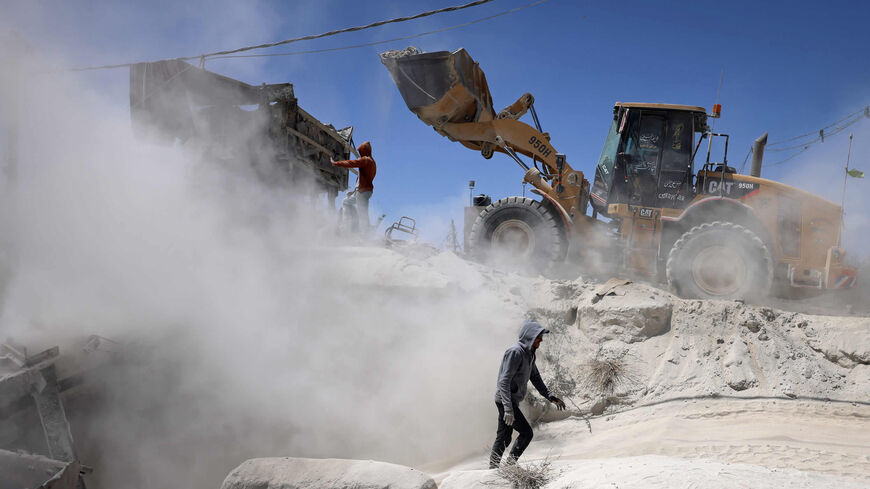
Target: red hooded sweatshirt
{"points": [[366, 165]]}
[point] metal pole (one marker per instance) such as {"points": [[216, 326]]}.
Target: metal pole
{"points": [[846, 174], [843, 202]]}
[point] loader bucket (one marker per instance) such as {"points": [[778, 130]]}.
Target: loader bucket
{"points": [[440, 87]]}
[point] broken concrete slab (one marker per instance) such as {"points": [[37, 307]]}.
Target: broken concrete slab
{"points": [[609, 288], [22, 470], [310, 473]]}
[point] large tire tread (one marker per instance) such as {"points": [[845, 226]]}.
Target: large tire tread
{"points": [[557, 249], [752, 240]]}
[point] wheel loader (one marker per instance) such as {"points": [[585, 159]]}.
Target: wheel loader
{"points": [[712, 234]]}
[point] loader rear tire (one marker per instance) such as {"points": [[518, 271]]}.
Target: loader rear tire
{"points": [[521, 234], [720, 260]]}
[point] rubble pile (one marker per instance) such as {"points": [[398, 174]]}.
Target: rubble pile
{"points": [[693, 348], [401, 53], [672, 350]]}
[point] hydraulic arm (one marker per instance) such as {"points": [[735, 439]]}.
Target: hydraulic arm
{"points": [[448, 91]]}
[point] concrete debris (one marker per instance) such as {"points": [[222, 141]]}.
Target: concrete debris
{"points": [[32, 408], [703, 354], [679, 348], [308, 473], [401, 53], [12, 357], [22, 470], [609, 288]]}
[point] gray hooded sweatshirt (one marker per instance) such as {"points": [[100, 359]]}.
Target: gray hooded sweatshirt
{"points": [[518, 367]]}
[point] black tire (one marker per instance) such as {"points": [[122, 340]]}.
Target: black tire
{"points": [[519, 234], [720, 260]]}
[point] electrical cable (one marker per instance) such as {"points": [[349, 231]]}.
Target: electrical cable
{"points": [[159, 87], [788, 158], [819, 136], [743, 166], [303, 38], [404, 38], [863, 110]]}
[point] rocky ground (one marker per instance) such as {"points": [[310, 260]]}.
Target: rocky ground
{"points": [[705, 393], [714, 393]]}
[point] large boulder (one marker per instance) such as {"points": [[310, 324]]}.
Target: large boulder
{"points": [[628, 313], [309, 473]]}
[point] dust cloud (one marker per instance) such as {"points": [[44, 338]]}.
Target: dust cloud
{"points": [[249, 328], [821, 171]]}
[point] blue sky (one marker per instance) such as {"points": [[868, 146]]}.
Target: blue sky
{"points": [[790, 68]]}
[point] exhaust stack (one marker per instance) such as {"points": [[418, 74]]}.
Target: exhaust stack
{"points": [[757, 155]]}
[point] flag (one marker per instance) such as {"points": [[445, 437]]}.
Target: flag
{"points": [[855, 173]]}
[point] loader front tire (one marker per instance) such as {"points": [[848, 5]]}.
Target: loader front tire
{"points": [[720, 260], [518, 233]]}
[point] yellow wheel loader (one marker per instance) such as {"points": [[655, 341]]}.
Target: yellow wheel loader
{"points": [[711, 234]]}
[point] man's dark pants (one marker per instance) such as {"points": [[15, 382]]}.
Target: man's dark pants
{"points": [[503, 436]]}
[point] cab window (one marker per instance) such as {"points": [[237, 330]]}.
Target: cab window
{"points": [[643, 149], [604, 171]]}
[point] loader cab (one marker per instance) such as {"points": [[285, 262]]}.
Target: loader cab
{"points": [[647, 156]]}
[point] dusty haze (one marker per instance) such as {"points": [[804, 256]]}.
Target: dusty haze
{"points": [[250, 330]]}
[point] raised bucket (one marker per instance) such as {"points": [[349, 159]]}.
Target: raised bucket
{"points": [[441, 87]]}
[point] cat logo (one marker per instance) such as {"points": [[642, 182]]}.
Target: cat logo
{"points": [[645, 213]]}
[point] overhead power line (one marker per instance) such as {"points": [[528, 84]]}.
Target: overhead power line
{"points": [[815, 137], [349, 29], [743, 166], [819, 136], [483, 19], [303, 38], [788, 158], [403, 38], [863, 110]]}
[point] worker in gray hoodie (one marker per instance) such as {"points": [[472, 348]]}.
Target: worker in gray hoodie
{"points": [[517, 368]]}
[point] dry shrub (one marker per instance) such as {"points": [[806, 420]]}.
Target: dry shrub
{"points": [[604, 376], [533, 475]]}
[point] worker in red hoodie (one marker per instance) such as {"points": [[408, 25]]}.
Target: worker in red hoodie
{"points": [[364, 187]]}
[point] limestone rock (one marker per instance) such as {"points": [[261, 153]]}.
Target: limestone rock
{"points": [[305, 473], [630, 314]]}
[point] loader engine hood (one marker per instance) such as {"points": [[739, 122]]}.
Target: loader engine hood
{"points": [[440, 87]]}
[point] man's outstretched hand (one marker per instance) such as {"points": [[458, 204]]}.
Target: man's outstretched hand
{"points": [[558, 402], [509, 419]]}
